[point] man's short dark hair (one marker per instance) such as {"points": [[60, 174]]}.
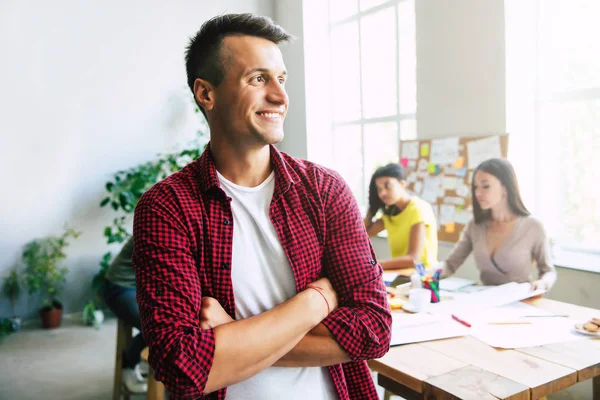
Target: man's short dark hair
{"points": [[202, 56]]}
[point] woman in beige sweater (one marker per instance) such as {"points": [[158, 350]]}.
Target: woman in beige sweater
{"points": [[504, 238]]}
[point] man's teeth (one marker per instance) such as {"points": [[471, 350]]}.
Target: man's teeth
{"points": [[271, 115]]}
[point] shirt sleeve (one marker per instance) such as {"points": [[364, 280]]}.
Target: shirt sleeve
{"points": [[168, 295], [417, 214], [362, 323], [541, 255], [460, 252]]}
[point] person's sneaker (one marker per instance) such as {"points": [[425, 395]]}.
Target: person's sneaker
{"points": [[134, 381], [144, 368]]}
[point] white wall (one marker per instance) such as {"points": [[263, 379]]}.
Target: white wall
{"points": [[88, 88], [289, 14], [460, 67]]}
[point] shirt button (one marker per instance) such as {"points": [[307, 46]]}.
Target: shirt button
{"points": [[159, 292], [226, 221], [373, 262], [224, 266]]}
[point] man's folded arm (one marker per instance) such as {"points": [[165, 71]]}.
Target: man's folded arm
{"points": [[191, 361], [362, 323]]}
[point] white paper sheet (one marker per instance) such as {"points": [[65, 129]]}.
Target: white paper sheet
{"points": [[445, 328], [410, 150], [453, 283], [457, 201], [436, 213], [450, 182], [418, 188], [483, 149], [446, 214], [463, 191], [484, 300], [388, 277], [423, 164], [431, 187], [444, 151], [539, 331], [463, 216]]}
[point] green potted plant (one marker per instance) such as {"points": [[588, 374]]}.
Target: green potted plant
{"points": [[126, 187], [92, 316], [11, 288], [45, 275]]}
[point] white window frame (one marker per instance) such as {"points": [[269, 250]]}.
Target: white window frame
{"points": [[399, 117], [564, 255]]}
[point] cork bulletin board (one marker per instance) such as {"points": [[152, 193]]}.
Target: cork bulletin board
{"points": [[439, 171]]}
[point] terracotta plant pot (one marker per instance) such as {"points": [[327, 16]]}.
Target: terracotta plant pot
{"points": [[51, 316]]}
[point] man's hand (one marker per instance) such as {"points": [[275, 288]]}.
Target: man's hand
{"points": [[212, 314]]}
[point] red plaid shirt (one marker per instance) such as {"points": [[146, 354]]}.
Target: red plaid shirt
{"points": [[183, 231]]}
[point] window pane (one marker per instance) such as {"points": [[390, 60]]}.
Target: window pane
{"points": [[569, 156], [378, 63], [366, 4], [407, 57], [345, 72], [568, 42], [408, 129], [381, 147], [340, 9], [348, 158]]}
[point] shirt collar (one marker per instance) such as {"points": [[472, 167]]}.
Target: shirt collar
{"points": [[208, 179]]}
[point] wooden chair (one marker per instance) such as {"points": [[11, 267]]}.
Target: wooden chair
{"points": [[156, 390], [124, 332]]}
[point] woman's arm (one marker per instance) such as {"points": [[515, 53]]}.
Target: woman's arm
{"points": [[541, 254], [416, 245], [373, 227]]}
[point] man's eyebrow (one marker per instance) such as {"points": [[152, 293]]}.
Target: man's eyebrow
{"points": [[263, 70]]}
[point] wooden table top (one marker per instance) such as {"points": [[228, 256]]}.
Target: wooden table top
{"points": [[466, 368]]}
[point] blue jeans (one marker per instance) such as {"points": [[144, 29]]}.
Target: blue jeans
{"points": [[121, 301]]}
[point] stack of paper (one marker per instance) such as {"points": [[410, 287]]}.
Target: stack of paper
{"points": [[454, 284]]}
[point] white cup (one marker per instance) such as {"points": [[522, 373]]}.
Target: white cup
{"points": [[419, 298]]}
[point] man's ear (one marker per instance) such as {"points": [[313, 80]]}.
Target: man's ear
{"points": [[204, 93]]}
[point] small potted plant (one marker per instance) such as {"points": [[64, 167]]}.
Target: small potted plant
{"points": [[11, 288], [44, 274], [91, 316]]}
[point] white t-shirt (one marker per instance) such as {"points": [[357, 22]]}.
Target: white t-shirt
{"points": [[262, 279]]}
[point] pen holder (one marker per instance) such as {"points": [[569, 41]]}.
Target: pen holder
{"points": [[433, 284]]}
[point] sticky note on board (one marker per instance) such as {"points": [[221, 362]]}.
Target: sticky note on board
{"points": [[404, 161], [461, 172], [459, 163], [424, 149], [433, 168], [459, 208], [450, 227]]}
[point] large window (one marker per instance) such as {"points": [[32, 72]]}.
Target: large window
{"points": [[553, 110], [373, 84]]}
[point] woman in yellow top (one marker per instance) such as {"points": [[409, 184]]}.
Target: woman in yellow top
{"points": [[409, 221]]}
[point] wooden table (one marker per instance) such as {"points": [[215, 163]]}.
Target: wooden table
{"points": [[465, 368]]}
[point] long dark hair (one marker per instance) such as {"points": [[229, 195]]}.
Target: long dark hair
{"points": [[504, 171], [391, 170]]}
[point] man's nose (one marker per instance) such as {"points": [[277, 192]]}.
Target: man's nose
{"points": [[276, 93]]}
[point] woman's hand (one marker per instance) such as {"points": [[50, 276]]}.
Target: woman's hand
{"points": [[539, 285]]}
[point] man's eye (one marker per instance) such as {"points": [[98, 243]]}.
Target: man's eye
{"points": [[281, 80], [258, 79]]}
